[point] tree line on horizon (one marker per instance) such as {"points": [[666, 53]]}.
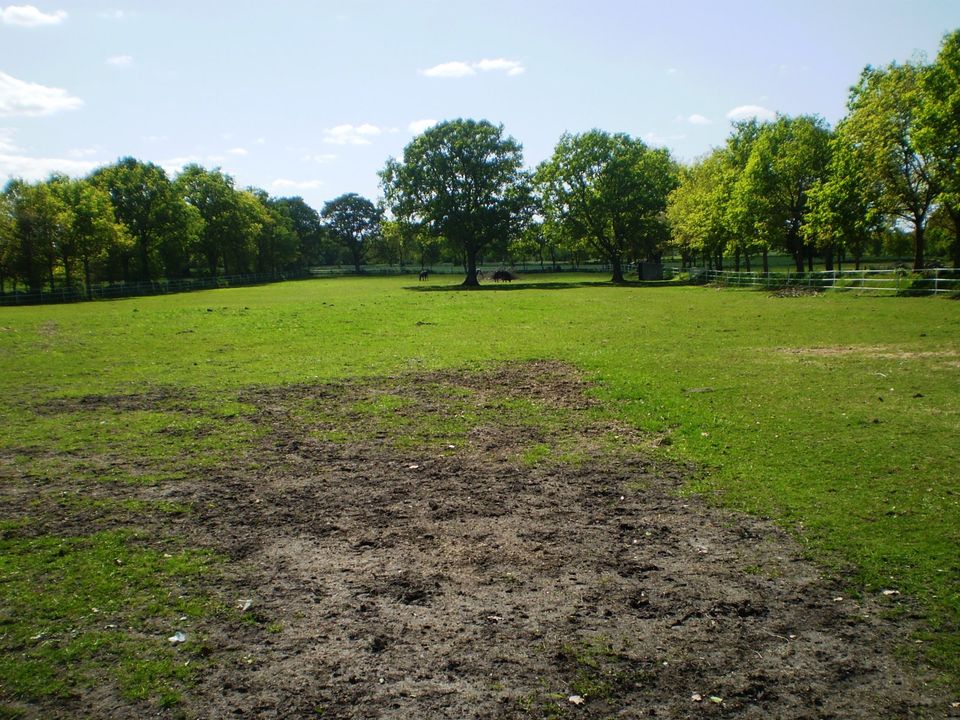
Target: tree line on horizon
{"points": [[460, 193]]}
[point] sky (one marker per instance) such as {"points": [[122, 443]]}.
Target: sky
{"points": [[311, 98]]}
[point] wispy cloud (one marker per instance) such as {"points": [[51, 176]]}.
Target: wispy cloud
{"points": [[21, 98], [418, 126], [697, 119], [652, 138], [78, 153], [115, 14], [458, 68], [286, 184], [238, 151], [33, 168], [746, 112], [6, 141], [120, 60], [29, 16], [351, 134]]}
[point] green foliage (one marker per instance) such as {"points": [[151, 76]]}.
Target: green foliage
{"points": [[355, 222], [611, 192], [788, 157], [461, 180], [884, 111], [938, 129]]}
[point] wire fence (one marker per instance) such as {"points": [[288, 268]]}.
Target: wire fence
{"points": [[109, 291], [897, 281]]}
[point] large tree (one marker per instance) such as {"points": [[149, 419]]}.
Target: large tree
{"points": [[462, 180], [93, 232], [938, 131], [42, 222], [311, 235], [354, 221], [787, 159], [844, 212], [695, 209], [145, 201], [882, 127], [611, 191]]}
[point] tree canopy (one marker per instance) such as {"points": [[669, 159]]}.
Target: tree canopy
{"points": [[463, 181], [355, 221], [609, 190]]}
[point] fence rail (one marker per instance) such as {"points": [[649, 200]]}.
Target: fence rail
{"points": [[897, 281], [138, 289]]}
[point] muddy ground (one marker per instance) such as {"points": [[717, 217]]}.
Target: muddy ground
{"points": [[488, 545]]}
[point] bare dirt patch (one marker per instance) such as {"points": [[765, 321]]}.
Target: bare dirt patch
{"points": [[488, 545]]}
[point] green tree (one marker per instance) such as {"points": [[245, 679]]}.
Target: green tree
{"points": [[93, 232], [938, 129], [844, 213], [788, 157], [42, 221], [145, 201], [611, 191], [7, 241], [461, 180], [882, 127], [312, 240], [696, 209], [355, 221]]}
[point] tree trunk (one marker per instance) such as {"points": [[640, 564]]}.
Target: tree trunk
{"points": [[766, 262], [470, 262], [720, 259], [736, 260], [918, 245], [86, 276], [617, 269], [747, 258], [828, 259], [809, 251]]}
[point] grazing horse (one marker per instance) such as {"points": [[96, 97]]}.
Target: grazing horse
{"points": [[424, 274], [503, 276]]}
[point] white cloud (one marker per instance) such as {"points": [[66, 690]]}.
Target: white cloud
{"points": [[652, 138], [114, 14], [351, 134], [6, 141], [745, 112], [32, 168], [83, 152], [510, 67], [458, 68], [449, 69], [285, 184], [27, 99], [418, 126], [697, 119], [29, 16], [120, 60], [237, 151]]}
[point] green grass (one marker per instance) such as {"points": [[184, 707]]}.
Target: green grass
{"points": [[835, 414]]}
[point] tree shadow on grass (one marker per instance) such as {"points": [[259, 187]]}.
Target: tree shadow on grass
{"points": [[513, 286]]}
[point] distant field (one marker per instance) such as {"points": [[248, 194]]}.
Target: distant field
{"points": [[835, 415]]}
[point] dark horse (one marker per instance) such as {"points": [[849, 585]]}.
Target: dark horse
{"points": [[424, 274]]}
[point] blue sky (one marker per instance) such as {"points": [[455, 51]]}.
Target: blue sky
{"points": [[311, 98]]}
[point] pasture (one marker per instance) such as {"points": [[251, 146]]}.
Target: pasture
{"points": [[362, 497]]}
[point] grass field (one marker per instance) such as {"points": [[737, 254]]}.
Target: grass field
{"points": [[837, 415]]}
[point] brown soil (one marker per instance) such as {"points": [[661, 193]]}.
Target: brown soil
{"points": [[396, 579]]}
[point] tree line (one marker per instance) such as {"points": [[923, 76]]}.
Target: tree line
{"points": [[460, 192], [796, 186]]}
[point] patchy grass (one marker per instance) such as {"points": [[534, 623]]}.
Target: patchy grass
{"points": [[835, 414]]}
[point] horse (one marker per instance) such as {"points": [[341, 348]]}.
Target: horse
{"points": [[424, 274]]}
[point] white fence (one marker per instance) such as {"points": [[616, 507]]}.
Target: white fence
{"points": [[897, 281]]}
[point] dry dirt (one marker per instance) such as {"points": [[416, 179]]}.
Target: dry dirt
{"points": [[455, 575]]}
